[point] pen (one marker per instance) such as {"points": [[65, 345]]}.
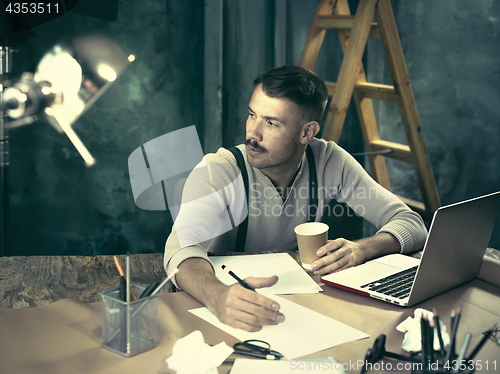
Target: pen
{"points": [[127, 267], [457, 321], [423, 338], [138, 310], [127, 278], [481, 343], [122, 289], [240, 281], [122, 273], [156, 291], [122, 295], [132, 295], [428, 337], [431, 338], [176, 270], [149, 289], [255, 354], [438, 328]]}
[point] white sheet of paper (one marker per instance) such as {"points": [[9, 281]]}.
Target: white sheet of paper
{"points": [[323, 365], [292, 278], [303, 332]]}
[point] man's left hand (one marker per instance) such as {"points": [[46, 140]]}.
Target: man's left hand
{"points": [[340, 254], [336, 255]]}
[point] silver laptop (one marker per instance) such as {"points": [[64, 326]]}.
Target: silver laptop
{"points": [[453, 254]]}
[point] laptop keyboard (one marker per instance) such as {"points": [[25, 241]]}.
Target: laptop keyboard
{"points": [[397, 285]]}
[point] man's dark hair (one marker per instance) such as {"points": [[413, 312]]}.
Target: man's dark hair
{"points": [[297, 84]]}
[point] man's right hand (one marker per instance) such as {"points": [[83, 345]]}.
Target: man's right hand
{"points": [[233, 305], [239, 307]]}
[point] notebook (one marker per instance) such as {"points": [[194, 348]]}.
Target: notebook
{"points": [[452, 255]]}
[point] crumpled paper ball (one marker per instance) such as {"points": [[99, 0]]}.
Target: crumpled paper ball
{"points": [[191, 355], [412, 341]]}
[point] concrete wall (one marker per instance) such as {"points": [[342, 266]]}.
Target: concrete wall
{"points": [[452, 51], [57, 206]]}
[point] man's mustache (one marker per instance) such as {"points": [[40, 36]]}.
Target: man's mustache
{"points": [[253, 143]]}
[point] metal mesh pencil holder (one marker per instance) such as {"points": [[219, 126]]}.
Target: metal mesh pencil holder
{"points": [[129, 328]]}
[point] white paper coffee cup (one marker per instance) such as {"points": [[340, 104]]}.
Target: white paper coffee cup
{"points": [[310, 237]]}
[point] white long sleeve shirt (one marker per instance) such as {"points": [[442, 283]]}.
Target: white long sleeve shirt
{"points": [[204, 225]]}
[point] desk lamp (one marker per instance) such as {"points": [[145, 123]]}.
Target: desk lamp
{"points": [[68, 80]]}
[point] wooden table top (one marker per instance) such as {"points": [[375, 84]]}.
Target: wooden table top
{"points": [[33, 281]]}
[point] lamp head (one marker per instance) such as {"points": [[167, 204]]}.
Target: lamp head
{"points": [[80, 71], [68, 80]]}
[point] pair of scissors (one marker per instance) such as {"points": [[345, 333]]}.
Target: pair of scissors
{"points": [[257, 348]]}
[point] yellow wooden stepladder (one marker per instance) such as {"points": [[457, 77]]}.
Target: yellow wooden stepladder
{"points": [[354, 32]]}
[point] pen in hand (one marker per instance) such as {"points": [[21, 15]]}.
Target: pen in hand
{"points": [[238, 279]]}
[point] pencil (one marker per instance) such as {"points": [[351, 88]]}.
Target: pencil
{"points": [[455, 317], [463, 351], [119, 266]]}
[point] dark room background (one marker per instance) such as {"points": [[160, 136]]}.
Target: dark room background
{"points": [[195, 63]]}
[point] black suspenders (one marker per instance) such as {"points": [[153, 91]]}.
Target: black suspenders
{"points": [[242, 228], [313, 184], [313, 192]]}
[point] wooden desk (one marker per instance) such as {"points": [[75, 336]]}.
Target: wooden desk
{"points": [[65, 336], [27, 282]]}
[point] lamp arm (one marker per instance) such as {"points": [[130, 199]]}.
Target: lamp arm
{"points": [[73, 137]]}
